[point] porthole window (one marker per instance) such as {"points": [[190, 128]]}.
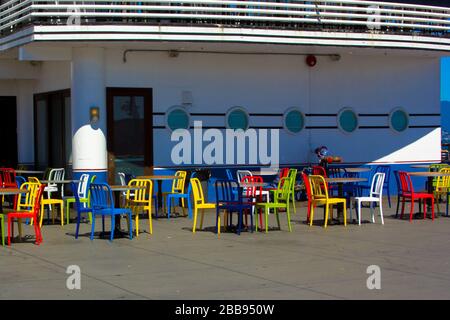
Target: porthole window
{"points": [[399, 120], [237, 118], [177, 118], [347, 120], [294, 120]]}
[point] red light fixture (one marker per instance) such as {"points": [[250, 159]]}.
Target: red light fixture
{"points": [[311, 60]]}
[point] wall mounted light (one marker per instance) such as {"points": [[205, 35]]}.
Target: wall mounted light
{"points": [[94, 114], [186, 98]]}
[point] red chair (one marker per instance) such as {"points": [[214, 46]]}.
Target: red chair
{"points": [[284, 172], [8, 177], [407, 193], [319, 171], [308, 193], [253, 195], [28, 214]]}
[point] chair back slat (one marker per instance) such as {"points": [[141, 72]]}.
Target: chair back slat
{"points": [[225, 193], [319, 188], [376, 189], [284, 190], [83, 185], [143, 195], [242, 173], [253, 191], [178, 184], [197, 191], [405, 183], [101, 196]]}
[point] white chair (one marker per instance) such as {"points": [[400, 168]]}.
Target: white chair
{"points": [[376, 195], [55, 175]]}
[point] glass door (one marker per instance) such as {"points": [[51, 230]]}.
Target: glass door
{"points": [[130, 135]]}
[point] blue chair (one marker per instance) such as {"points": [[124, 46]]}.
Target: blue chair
{"points": [[227, 198], [20, 180], [79, 207], [229, 174], [179, 196], [102, 203]]}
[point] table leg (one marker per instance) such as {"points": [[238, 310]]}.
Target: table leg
{"points": [[430, 191]]}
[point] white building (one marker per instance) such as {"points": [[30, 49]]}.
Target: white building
{"points": [[373, 95]]}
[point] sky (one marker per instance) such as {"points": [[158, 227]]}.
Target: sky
{"points": [[445, 93]]}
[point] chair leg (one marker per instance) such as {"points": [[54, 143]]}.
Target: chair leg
{"points": [[309, 211], [2, 221], [389, 196], [169, 198], [372, 213], [398, 205], [93, 227], [130, 225], [78, 225], [201, 220], [42, 216], [381, 212], [266, 215], [150, 222], [137, 222], [412, 210], [403, 208], [67, 212], [288, 214], [278, 216], [311, 216], [432, 209], [113, 222], [345, 214], [327, 209], [195, 220], [9, 230], [359, 211], [62, 213], [36, 231]]}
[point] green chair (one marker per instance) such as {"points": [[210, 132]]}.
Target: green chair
{"points": [[281, 201]]}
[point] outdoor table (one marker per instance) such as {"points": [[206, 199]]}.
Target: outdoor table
{"points": [[10, 192], [118, 233], [340, 183], [159, 179], [430, 175]]}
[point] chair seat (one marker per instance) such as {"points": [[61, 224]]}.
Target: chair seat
{"points": [[206, 206], [330, 200], [419, 195], [272, 204], [110, 211], [367, 199]]}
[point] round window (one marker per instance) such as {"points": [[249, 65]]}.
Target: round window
{"points": [[347, 120], [294, 120], [399, 120], [177, 118], [237, 118]]}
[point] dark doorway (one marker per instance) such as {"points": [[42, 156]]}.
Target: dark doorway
{"points": [[130, 132], [52, 129], [8, 132]]}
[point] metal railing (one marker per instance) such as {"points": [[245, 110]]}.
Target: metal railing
{"points": [[335, 15]]}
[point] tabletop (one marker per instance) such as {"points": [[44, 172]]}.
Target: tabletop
{"points": [[421, 166], [429, 174], [59, 181], [356, 170], [29, 171], [344, 180], [159, 177], [264, 173], [12, 191], [252, 185]]}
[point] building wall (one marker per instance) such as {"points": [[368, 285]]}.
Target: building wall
{"points": [[371, 84]]}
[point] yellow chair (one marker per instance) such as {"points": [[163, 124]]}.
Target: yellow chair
{"points": [[48, 202], [140, 200], [199, 203], [319, 191], [442, 187], [177, 187]]}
